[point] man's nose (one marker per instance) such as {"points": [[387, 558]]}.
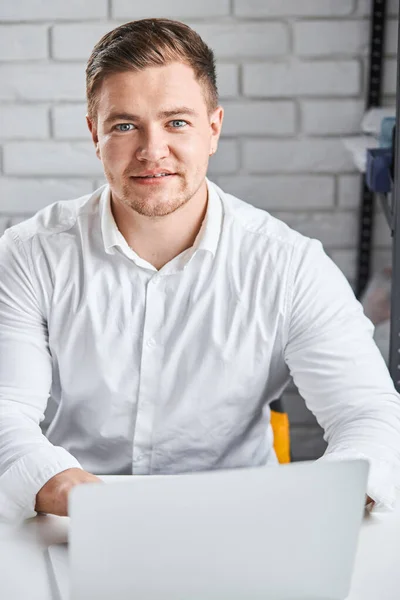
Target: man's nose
{"points": [[152, 146]]}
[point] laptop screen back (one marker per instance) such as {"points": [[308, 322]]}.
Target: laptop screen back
{"points": [[284, 532]]}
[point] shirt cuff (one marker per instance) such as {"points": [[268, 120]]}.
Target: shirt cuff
{"points": [[23, 480], [382, 481]]}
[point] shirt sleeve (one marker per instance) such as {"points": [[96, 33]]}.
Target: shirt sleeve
{"points": [[340, 372], [27, 458]]}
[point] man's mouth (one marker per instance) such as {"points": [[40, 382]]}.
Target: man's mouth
{"points": [[157, 179], [153, 176]]}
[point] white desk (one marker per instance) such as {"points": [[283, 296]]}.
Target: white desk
{"points": [[24, 571]]}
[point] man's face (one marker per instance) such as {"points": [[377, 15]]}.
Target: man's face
{"points": [[154, 120]]}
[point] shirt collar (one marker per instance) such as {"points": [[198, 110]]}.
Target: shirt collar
{"points": [[207, 238]]}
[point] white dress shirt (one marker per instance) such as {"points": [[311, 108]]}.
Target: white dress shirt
{"points": [[173, 370]]}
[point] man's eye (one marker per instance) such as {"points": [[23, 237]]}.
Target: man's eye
{"points": [[178, 121], [124, 126]]}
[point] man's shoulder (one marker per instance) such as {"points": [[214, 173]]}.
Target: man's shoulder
{"points": [[58, 217], [259, 222]]}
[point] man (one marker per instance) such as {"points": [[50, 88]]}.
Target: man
{"points": [[164, 315]]}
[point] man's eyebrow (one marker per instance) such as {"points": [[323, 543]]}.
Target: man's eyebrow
{"points": [[125, 116], [179, 110]]}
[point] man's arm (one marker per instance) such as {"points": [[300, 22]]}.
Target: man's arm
{"points": [[340, 372], [27, 459]]}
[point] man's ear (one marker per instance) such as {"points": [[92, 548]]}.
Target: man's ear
{"points": [[92, 125], [216, 119]]}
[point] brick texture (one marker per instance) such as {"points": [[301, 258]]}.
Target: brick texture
{"points": [[226, 159], [69, 122], [24, 122], [50, 158], [293, 8], [331, 117], [260, 118], [294, 156], [45, 10], [330, 38], [175, 9], [280, 192], [38, 82], [23, 42], [246, 39], [27, 195], [228, 80], [84, 36], [349, 189], [304, 78]]}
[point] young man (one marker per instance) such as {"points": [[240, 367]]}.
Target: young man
{"points": [[164, 315]]}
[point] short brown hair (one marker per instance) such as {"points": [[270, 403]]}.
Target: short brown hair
{"points": [[137, 45]]}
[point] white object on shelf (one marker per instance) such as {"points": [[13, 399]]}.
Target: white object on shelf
{"points": [[372, 120], [358, 146]]}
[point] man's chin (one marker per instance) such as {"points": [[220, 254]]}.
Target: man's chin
{"points": [[155, 211], [152, 205]]}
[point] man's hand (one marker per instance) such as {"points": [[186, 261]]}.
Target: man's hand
{"points": [[52, 498]]}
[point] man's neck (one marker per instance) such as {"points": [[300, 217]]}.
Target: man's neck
{"points": [[160, 240]]}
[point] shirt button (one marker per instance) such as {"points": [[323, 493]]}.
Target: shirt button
{"points": [[155, 279], [151, 343]]}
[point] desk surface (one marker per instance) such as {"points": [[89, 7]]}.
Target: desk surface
{"points": [[25, 575]]}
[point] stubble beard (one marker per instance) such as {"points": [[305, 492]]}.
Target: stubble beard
{"points": [[153, 202], [149, 207]]}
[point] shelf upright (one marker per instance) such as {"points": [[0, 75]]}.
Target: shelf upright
{"points": [[394, 347], [373, 100]]}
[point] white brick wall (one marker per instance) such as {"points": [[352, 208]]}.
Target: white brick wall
{"points": [[260, 118], [228, 80], [69, 122], [331, 117], [276, 192], [50, 158], [330, 38], [23, 42], [291, 77], [349, 191], [21, 196], [29, 121], [245, 40], [293, 8], [74, 41], [42, 81], [226, 160], [179, 9], [51, 10], [294, 156]]}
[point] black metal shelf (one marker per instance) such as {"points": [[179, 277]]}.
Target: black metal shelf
{"points": [[374, 92], [389, 202], [394, 347]]}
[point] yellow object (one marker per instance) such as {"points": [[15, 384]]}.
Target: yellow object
{"points": [[280, 427]]}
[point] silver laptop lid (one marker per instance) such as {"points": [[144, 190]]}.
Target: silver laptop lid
{"points": [[284, 532]]}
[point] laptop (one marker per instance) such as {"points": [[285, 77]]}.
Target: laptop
{"points": [[283, 532]]}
